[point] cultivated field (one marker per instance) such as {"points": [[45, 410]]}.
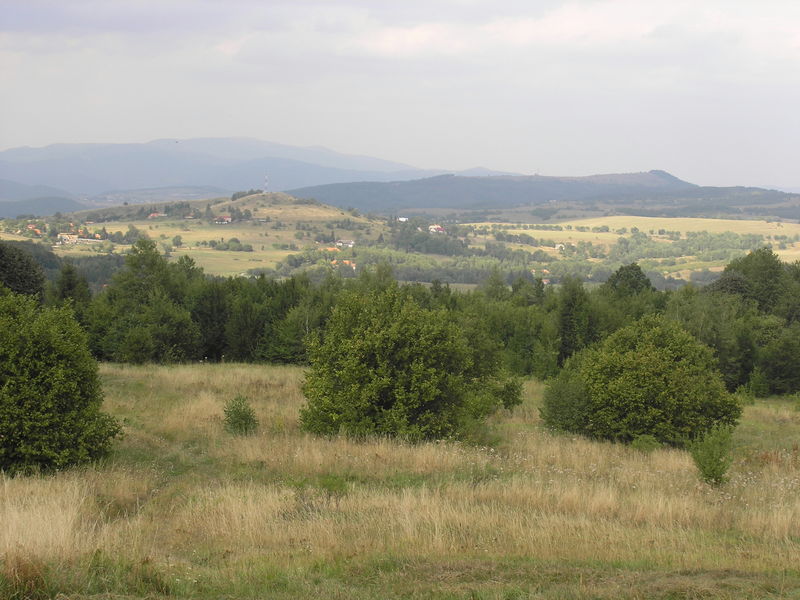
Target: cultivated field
{"points": [[184, 510], [651, 226]]}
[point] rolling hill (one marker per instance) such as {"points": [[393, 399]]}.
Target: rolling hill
{"points": [[653, 193]]}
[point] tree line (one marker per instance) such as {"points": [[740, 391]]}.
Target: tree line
{"points": [[154, 310]]}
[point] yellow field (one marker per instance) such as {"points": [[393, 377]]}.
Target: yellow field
{"points": [[689, 224], [184, 509], [654, 224]]}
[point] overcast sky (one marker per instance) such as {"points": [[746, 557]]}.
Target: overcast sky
{"points": [[706, 89]]}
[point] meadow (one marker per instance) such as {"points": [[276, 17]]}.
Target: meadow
{"points": [[183, 509]]}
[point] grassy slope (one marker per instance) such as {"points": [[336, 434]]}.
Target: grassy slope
{"points": [[262, 236], [183, 509]]}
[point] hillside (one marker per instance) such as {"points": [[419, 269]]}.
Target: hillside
{"points": [[39, 207], [281, 235], [11, 191], [654, 193], [273, 226]]}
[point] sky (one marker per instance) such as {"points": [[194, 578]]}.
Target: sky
{"points": [[708, 90]]}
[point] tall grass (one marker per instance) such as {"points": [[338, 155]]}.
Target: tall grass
{"points": [[183, 502]]}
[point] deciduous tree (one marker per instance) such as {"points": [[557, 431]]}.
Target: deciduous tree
{"points": [[386, 366]]}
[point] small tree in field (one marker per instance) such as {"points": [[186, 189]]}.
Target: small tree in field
{"points": [[712, 454], [49, 390], [240, 418], [386, 366], [650, 378]]}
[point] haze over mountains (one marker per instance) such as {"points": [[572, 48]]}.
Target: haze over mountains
{"points": [[448, 191], [67, 177], [653, 193], [225, 164]]}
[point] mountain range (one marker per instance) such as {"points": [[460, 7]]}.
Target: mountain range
{"points": [[67, 177], [652, 193], [226, 164]]}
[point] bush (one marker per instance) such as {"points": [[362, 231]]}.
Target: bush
{"points": [[50, 393], [565, 405], [758, 384], [650, 378], [712, 454], [240, 418], [386, 366], [645, 443]]}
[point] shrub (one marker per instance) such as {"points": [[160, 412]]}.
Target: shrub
{"points": [[240, 418], [50, 393], [565, 405], [650, 378], [712, 454], [758, 385], [645, 443], [386, 366]]}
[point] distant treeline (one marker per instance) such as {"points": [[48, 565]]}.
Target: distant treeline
{"points": [[156, 311]]}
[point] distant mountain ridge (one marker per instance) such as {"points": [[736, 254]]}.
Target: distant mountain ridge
{"points": [[39, 207], [651, 193], [503, 191], [11, 191], [20, 199], [229, 164], [168, 170]]}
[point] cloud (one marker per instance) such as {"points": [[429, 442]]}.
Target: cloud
{"points": [[548, 85]]}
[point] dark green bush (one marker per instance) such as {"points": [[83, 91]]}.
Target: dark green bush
{"points": [[386, 366], [645, 443], [565, 404], [50, 393], [240, 418], [649, 378], [712, 454]]}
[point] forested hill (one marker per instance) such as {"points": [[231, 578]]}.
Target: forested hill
{"points": [[650, 193], [39, 206]]}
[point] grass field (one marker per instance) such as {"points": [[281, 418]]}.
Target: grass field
{"points": [[184, 510]]}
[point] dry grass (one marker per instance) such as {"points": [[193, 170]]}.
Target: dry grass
{"points": [[184, 497], [60, 517]]}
